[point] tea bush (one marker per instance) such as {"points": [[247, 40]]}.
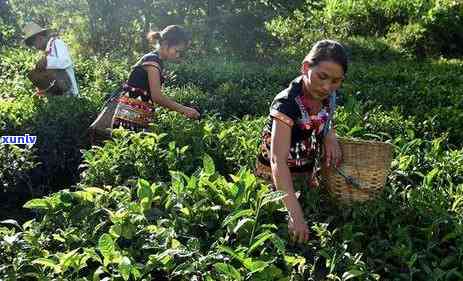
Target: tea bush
{"points": [[59, 123], [406, 25], [211, 73], [425, 90], [199, 226], [174, 144], [443, 25], [16, 163], [181, 202], [436, 33], [228, 101]]}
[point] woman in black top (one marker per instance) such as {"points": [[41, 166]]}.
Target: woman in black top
{"points": [[143, 88], [301, 125]]}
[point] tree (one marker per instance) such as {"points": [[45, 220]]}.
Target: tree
{"points": [[119, 26], [8, 27]]}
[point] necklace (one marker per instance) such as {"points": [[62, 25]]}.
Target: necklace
{"points": [[311, 105]]}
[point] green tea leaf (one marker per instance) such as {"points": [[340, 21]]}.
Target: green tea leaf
{"points": [[95, 190], [125, 266], [228, 270], [41, 204], [351, 274], [48, 263], [236, 215], [12, 222], [208, 165], [279, 244], [241, 223], [255, 266], [106, 245], [273, 197], [115, 230], [431, 175], [144, 190], [261, 238], [232, 253], [69, 259], [293, 261]]}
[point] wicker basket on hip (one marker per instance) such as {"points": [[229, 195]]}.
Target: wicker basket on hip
{"points": [[363, 172]]}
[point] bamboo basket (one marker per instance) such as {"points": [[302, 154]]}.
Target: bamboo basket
{"points": [[363, 172]]}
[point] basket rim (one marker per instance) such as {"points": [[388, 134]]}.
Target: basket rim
{"points": [[362, 141]]}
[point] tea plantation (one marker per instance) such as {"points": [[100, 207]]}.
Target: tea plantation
{"points": [[181, 202]]}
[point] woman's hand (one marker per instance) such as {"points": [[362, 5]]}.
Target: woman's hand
{"points": [[332, 150], [297, 227], [191, 113]]}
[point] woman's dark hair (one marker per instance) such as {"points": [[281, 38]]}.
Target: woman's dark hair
{"points": [[173, 35], [327, 50]]}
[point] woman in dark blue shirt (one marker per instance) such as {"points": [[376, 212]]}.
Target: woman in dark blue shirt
{"points": [[143, 88], [301, 125]]}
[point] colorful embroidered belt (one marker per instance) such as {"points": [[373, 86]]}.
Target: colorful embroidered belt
{"points": [[133, 113]]}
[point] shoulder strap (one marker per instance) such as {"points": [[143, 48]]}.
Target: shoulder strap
{"points": [[52, 45], [332, 103], [329, 125]]}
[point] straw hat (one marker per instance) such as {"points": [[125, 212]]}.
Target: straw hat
{"points": [[30, 30]]}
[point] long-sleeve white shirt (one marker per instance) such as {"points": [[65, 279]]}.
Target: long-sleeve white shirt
{"points": [[58, 58]]}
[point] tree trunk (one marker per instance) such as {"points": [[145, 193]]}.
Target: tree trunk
{"points": [[210, 23], [92, 25], [146, 29]]}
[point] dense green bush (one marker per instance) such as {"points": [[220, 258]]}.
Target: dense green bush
{"points": [[8, 26], [371, 49], [200, 225], [15, 64], [16, 164], [191, 221], [226, 88], [426, 90], [60, 124], [174, 144], [194, 222], [443, 25], [414, 27], [177, 143], [228, 101], [210, 73], [410, 38], [438, 32], [372, 18]]}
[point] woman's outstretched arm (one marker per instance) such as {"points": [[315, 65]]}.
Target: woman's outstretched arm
{"points": [[279, 150], [164, 101]]}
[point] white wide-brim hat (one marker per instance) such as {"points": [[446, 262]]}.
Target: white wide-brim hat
{"points": [[30, 30]]}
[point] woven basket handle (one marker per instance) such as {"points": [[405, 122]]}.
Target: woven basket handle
{"points": [[350, 180]]}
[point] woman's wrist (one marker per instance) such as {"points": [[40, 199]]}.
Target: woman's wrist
{"points": [[293, 206]]}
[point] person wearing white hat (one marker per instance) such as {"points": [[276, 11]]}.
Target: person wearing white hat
{"points": [[56, 53]]}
